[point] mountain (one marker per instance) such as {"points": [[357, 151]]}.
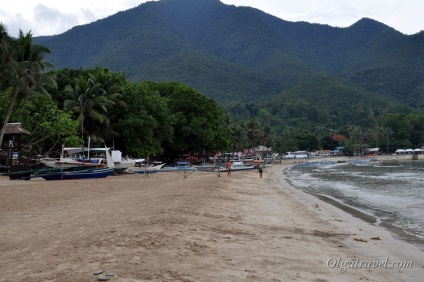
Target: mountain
{"points": [[241, 54]]}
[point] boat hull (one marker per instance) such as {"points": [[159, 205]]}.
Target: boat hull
{"points": [[124, 164], [236, 168], [82, 174], [143, 170]]}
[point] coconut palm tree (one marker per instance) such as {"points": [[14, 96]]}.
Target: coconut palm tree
{"points": [[255, 133], [7, 62], [33, 68], [91, 99], [24, 70]]}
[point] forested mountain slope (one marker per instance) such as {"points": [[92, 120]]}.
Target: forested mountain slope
{"points": [[242, 54]]}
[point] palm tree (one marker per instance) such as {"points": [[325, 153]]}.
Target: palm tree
{"points": [[23, 70], [33, 68], [239, 134], [387, 133], [356, 139], [91, 101], [254, 132], [7, 62]]}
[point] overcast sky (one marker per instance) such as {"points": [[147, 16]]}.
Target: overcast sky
{"points": [[48, 17]]}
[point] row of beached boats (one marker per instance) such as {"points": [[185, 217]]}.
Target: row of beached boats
{"points": [[82, 163], [181, 166], [79, 163], [99, 157]]}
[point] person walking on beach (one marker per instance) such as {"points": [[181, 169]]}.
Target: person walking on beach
{"points": [[260, 170], [228, 168]]}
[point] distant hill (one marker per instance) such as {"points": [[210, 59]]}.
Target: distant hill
{"points": [[243, 54]]}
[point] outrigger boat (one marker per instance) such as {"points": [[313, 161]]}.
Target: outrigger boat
{"points": [[145, 169], [74, 174], [235, 168], [72, 157]]}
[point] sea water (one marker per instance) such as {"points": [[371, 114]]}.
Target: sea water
{"points": [[391, 192]]}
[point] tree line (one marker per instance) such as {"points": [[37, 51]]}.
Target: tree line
{"points": [[169, 119], [68, 106]]}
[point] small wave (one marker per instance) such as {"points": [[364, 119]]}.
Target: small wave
{"points": [[313, 164], [392, 193], [388, 166]]}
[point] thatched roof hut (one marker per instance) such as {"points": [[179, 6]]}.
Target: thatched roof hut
{"points": [[15, 129]]}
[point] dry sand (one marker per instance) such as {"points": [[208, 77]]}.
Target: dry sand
{"points": [[203, 228]]}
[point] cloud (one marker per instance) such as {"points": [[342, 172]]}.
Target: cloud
{"points": [[53, 21], [53, 17], [15, 23], [403, 15]]}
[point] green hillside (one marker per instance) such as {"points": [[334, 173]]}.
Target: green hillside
{"points": [[239, 54]]}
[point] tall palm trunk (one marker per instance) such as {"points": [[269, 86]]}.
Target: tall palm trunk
{"points": [[9, 113]]}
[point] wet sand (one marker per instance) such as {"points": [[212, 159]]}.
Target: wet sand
{"points": [[203, 228]]}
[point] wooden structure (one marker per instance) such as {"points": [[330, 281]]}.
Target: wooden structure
{"points": [[13, 145]]}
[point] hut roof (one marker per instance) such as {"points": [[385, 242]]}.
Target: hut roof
{"points": [[15, 129]]}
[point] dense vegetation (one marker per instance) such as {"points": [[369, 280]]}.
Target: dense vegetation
{"points": [[142, 119], [149, 81]]}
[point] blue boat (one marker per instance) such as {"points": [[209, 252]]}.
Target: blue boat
{"points": [[235, 168], [78, 174]]}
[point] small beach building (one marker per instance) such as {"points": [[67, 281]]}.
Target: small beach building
{"points": [[264, 151], [338, 151], [13, 135], [371, 151]]}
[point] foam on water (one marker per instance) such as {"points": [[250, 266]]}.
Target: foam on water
{"points": [[393, 193]]}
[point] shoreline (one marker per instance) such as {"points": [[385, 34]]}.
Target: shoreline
{"points": [[382, 158], [363, 227], [203, 228], [396, 231]]}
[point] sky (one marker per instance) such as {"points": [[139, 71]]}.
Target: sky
{"points": [[50, 17]]}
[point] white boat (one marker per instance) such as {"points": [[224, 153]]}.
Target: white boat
{"points": [[206, 167], [119, 163], [248, 160], [72, 157], [124, 164], [79, 156], [180, 166], [64, 162], [143, 169], [297, 155]]}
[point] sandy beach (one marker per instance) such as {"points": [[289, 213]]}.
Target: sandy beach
{"points": [[203, 228]]}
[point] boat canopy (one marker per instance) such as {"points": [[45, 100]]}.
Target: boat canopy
{"points": [[77, 150]]}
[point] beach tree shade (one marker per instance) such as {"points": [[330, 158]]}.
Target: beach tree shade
{"points": [[146, 124], [50, 127], [199, 123]]}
